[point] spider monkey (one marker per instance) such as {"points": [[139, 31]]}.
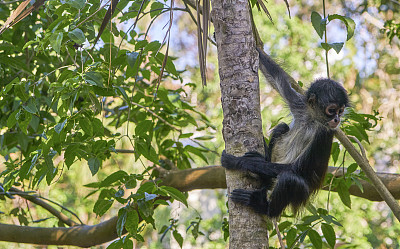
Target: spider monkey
{"points": [[296, 158]]}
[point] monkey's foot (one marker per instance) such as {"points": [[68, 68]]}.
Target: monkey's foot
{"points": [[257, 199]]}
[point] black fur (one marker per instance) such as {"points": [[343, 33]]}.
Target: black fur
{"points": [[298, 179]]}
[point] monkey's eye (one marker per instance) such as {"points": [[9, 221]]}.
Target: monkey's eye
{"points": [[331, 109]]}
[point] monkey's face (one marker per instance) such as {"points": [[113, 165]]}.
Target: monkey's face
{"points": [[333, 112]]}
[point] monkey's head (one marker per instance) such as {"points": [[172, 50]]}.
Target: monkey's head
{"points": [[327, 99]]}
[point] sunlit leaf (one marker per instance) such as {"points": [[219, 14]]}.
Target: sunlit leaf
{"points": [[77, 36]]}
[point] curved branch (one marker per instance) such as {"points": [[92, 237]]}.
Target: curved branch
{"points": [[83, 236], [214, 177], [34, 199]]}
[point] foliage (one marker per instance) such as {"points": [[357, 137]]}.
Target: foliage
{"points": [[392, 29], [65, 101]]}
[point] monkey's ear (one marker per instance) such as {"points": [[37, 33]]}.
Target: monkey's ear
{"points": [[312, 99]]}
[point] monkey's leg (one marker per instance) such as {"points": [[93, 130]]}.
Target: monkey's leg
{"points": [[289, 189], [253, 162], [277, 132], [257, 199]]}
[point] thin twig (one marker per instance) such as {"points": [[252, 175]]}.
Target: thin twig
{"points": [[37, 200], [157, 116], [359, 144], [278, 233]]}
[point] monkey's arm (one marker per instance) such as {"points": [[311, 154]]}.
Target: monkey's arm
{"points": [[253, 162], [279, 80]]}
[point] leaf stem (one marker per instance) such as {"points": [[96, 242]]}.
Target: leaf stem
{"points": [[326, 41]]}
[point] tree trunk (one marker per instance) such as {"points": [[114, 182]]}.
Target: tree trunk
{"points": [[242, 127]]}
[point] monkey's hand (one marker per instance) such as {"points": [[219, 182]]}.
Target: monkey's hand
{"points": [[257, 199], [232, 162], [253, 162]]}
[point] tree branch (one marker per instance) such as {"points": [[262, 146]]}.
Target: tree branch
{"points": [[212, 177], [370, 173], [35, 199], [82, 236]]}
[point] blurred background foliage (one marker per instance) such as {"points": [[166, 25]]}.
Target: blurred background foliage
{"points": [[72, 116]]}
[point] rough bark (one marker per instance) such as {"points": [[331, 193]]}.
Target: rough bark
{"points": [[213, 177], [240, 97]]}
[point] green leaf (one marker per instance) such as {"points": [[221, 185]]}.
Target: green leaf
{"points": [[114, 177], [23, 124], [169, 66], [145, 209], [353, 167], [196, 151], [101, 206], [96, 103], [122, 215], [291, 237], [94, 165], [358, 184], [178, 237], [156, 8], [325, 46], [12, 119], [141, 44], [131, 183], [350, 24], [86, 126], [9, 86], [176, 194], [35, 122], [58, 128], [153, 46], [98, 128], [344, 194], [143, 127], [315, 239], [204, 138], [77, 36], [185, 135], [77, 4], [94, 78], [70, 152], [131, 58], [337, 46], [318, 24], [30, 107], [128, 244], [358, 131], [335, 151], [55, 41], [117, 244], [147, 187], [329, 234], [132, 222], [124, 95]]}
